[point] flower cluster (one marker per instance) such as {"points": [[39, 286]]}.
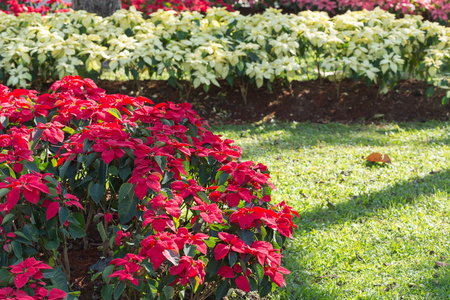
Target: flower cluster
{"points": [[220, 46], [34, 6], [176, 205], [433, 10], [27, 275], [150, 6]]}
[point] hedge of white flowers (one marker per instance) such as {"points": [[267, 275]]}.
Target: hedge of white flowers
{"points": [[202, 49]]}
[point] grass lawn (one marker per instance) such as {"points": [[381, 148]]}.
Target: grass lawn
{"points": [[366, 231]]}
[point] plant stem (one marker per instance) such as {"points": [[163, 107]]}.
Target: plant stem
{"points": [[66, 260], [88, 223]]}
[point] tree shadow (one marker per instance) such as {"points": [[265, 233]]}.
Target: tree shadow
{"points": [[365, 205], [305, 135], [302, 284]]}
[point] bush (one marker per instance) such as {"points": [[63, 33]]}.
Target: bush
{"points": [[174, 202], [220, 47], [36, 6], [150, 6]]}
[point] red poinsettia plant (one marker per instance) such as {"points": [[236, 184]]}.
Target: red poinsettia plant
{"points": [[173, 202], [17, 7]]}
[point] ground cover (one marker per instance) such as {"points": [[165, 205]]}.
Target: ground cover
{"points": [[367, 231]]}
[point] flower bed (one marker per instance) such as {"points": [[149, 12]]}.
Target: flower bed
{"points": [[198, 50], [17, 7], [173, 203]]}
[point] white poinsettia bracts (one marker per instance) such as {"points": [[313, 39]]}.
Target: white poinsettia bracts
{"points": [[203, 49]]}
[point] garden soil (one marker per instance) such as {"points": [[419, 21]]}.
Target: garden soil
{"points": [[311, 101], [307, 101]]}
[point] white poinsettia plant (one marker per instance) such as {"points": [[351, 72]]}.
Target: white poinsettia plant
{"points": [[204, 50]]}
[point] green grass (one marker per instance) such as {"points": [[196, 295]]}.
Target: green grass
{"points": [[367, 231]]}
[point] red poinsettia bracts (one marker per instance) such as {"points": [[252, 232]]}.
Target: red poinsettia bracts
{"points": [[176, 203]]}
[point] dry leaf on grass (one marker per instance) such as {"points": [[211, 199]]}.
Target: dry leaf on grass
{"points": [[377, 157]]}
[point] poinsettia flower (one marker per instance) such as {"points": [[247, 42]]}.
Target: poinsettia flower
{"points": [[171, 206], [10, 293], [158, 222], [189, 268], [42, 293], [52, 132], [188, 189], [158, 247], [233, 243], [144, 179], [210, 212], [184, 237], [131, 266], [276, 274], [29, 268], [30, 185], [242, 283], [226, 272]]}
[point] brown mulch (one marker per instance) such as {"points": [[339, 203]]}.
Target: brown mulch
{"points": [[312, 101]]}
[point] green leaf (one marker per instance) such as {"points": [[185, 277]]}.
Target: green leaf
{"points": [[213, 267], [59, 279], [247, 236], [253, 283], [63, 214], [31, 232], [5, 276], [76, 232], [90, 159], [172, 81], [210, 243], [223, 178], [445, 100], [203, 196], [32, 166], [68, 130], [168, 176], [4, 192], [7, 218], [232, 257], [79, 218], [115, 113], [119, 290], [52, 245], [106, 272], [4, 121], [102, 173], [204, 174], [169, 292], [259, 272], [63, 170], [161, 161], [126, 191], [172, 255], [127, 205], [265, 288], [149, 268], [222, 289], [96, 192], [107, 292], [189, 250], [17, 249], [124, 172], [430, 91], [101, 230]]}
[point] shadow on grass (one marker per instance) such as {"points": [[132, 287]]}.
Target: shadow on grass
{"points": [[367, 205], [303, 135], [303, 285]]}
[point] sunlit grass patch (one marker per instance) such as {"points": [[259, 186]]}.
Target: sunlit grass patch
{"points": [[367, 231]]}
